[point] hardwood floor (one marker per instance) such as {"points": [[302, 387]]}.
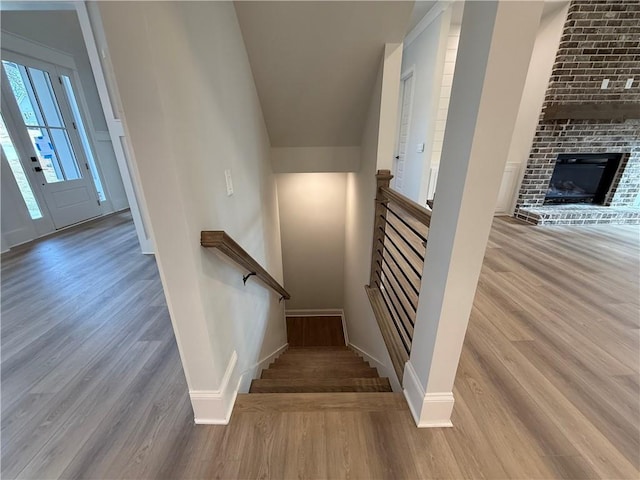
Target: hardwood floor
{"points": [[547, 387]]}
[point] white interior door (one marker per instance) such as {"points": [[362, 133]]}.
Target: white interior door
{"points": [[403, 131], [47, 140]]}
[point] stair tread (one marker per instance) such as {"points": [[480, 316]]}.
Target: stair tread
{"points": [[320, 368], [286, 385], [301, 402], [335, 372], [317, 349], [334, 354], [311, 362]]}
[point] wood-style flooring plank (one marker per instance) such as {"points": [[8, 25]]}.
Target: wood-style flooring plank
{"points": [[548, 383]]}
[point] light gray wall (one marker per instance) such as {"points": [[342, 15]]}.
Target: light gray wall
{"points": [[61, 30], [362, 327], [312, 226], [315, 159], [425, 55], [192, 112]]}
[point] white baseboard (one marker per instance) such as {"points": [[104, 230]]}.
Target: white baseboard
{"points": [[429, 410], [266, 361], [321, 312], [213, 407], [254, 371], [383, 370]]}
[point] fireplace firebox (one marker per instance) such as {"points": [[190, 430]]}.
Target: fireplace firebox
{"points": [[582, 178]]}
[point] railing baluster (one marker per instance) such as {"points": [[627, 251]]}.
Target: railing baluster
{"points": [[396, 248], [383, 179]]}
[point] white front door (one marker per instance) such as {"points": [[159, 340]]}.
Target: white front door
{"points": [[406, 91], [40, 119]]}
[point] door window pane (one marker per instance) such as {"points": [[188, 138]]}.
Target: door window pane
{"points": [[34, 94], [42, 84], [66, 81], [46, 154], [23, 92], [18, 172], [65, 153]]}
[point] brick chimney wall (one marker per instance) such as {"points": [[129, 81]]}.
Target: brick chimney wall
{"points": [[601, 39]]}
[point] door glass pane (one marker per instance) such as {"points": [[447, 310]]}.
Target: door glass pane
{"points": [[46, 154], [65, 153], [18, 172], [42, 84], [66, 81], [23, 92]]}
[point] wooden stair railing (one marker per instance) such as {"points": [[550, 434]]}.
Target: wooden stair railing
{"points": [[223, 242], [399, 245]]}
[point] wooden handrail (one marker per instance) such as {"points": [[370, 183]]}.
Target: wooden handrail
{"points": [[227, 245], [416, 210]]}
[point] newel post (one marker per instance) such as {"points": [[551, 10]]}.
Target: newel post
{"points": [[383, 179]]}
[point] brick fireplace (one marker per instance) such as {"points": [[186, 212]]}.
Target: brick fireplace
{"points": [[601, 40]]}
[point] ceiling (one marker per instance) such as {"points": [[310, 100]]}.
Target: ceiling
{"points": [[315, 64], [420, 9]]}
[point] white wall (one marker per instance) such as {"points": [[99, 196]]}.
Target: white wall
{"points": [[540, 68], [445, 94], [363, 329], [61, 30], [315, 159], [312, 226], [191, 111], [425, 56]]}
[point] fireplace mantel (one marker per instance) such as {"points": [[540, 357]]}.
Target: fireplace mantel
{"points": [[593, 111]]}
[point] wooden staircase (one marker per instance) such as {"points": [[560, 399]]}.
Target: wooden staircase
{"points": [[318, 373], [319, 369]]}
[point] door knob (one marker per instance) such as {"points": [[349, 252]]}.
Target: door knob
{"points": [[397, 157]]}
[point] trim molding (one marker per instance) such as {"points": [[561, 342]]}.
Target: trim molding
{"points": [[427, 20], [102, 136], [30, 48], [214, 407], [383, 370], [266, 361], [429, 410], [254, 371]]}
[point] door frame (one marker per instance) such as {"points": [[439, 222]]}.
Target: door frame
{"points": [[410, 72], [94, 39], [41, 226], [27, 151]]}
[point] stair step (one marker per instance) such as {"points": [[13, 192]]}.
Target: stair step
{"points": [[320, 372], [342, 362], [313, 402], [305, 350], [334, 353], [300, 385]]}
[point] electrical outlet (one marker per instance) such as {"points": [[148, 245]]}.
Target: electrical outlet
{"points": [[227, 178], [629, 83], [605, 84]]}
